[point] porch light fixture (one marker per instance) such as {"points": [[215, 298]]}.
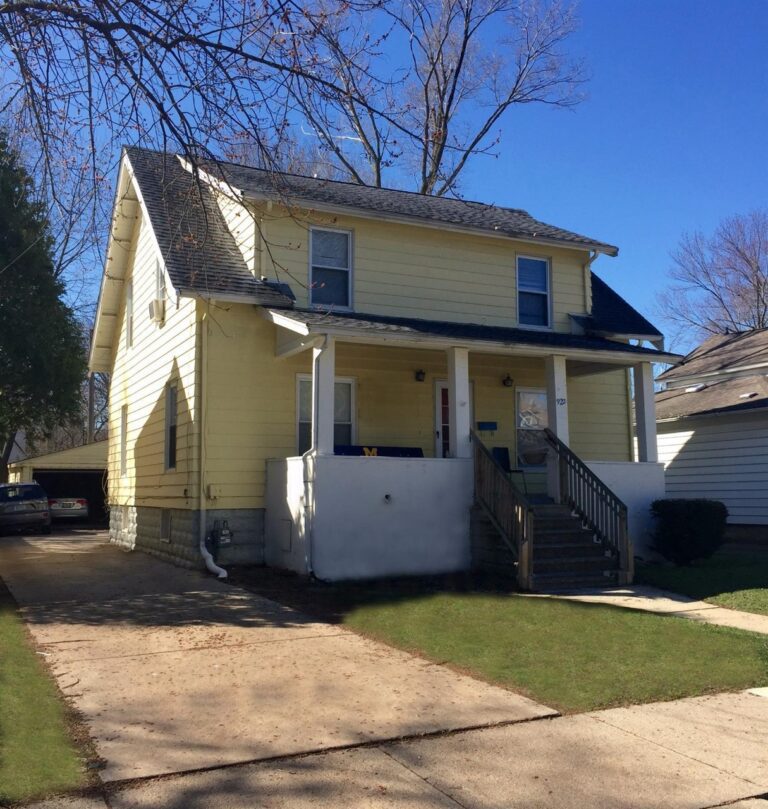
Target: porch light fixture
{"points": [[420, 376], [508, 382]]}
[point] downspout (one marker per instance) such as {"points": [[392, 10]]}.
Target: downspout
{"points": [[203, 356], [587, 268]]}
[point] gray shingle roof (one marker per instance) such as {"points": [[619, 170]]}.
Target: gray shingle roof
{"points": [[718, 397], [613, 315], [721, 353], [200, 254], [405, 327], [293, 188]]}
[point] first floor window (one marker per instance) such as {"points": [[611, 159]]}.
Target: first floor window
{"points": [[171, 420], [331, 267], [532, 291], [124, 440], [531, 420], [343, 413]]}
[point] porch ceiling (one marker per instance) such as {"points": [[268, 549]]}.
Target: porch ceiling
{"points": [[302, 328]]}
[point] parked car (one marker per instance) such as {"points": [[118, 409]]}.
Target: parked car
{"points": [[24, 505], [68, 508]]}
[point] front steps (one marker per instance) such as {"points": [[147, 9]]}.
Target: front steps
{"points": [[565, 555]]}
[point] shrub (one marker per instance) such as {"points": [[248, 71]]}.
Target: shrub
{"points": [[687, 530]]}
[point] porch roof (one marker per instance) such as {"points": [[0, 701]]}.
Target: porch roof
{"points": [[439, 334]]}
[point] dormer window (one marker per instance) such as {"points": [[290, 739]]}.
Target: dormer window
{"points": [[331, 268], [533, 292]]}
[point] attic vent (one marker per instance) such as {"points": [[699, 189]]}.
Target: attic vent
{"points": [[695, 388], [750, 395]]}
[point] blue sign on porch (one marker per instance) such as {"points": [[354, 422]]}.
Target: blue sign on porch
{"points": [[487, 426]]}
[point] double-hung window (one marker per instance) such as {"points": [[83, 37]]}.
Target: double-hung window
{"points": [[171, 421], [129, 314], [343, 413], [124, 440], [533, 291], [331, 268]]}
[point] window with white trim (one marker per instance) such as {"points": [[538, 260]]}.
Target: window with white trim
{"points": [[159, 280], [129, 313], [533, 291], [171, 421], [330, 267], [124, 440], [343, 412]]}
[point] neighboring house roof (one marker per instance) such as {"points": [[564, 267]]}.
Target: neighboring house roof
{"points": [[87, 456], [727, 395], [722, 353], [200, 254], [404, 205], [612, 315], [404, 328]]}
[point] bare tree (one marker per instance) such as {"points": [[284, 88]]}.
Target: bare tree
{"points": [[448, 70], [720, 281]]}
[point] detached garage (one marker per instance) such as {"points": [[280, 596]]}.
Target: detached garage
{"points": [[77, 472]]}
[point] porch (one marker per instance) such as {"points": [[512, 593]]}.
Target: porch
{"points": [[344, 509]]}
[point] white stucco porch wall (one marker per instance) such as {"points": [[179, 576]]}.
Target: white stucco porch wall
{"points": [[369, 517], [638, 485]]}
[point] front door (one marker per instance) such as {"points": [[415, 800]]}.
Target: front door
{"points": [[443, 447]]}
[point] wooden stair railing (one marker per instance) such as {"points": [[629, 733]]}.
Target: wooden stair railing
{"points": [[600, 510], [507, 508]]}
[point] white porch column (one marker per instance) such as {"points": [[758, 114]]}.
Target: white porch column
{"points": [[645, 413], [458, 402], [323, 395], [557, 417], [557, 398]]}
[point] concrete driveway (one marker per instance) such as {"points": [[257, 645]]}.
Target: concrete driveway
{"points": [[174, 671]]}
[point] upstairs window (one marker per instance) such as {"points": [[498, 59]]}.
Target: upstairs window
{"points": [[331, 268], [171, 421], [533, 291]]}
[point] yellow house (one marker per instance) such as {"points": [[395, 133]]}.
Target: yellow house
{"points": [[331, 378]]}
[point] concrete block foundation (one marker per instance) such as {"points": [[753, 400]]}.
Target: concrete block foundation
{"points": [[173, 534]]}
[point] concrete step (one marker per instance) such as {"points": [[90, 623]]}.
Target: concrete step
{"points": [[574, 565], [555, 550], [552, 511], [571, 536], [558, 582]]}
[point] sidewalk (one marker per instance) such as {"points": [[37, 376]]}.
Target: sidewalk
{"points": [[650, 599]]}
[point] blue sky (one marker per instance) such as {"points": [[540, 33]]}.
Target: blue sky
{"points": [[673, 136]]}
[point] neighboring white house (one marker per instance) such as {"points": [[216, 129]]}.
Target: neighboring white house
{"points": [[713, 426]]}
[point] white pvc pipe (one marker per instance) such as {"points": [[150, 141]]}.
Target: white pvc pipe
{"points": [[209, 563]]}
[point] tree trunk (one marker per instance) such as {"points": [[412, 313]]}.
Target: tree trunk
{"points": [[5, 457]]}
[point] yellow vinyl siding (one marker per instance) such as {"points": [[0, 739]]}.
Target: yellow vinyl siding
{"points": [[251, 401], [160, 354], [599, 416], [412, 271]]}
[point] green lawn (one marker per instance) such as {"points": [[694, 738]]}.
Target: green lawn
{"points": [[572, 656], [738, 581], [37, 754], [575, 657]]}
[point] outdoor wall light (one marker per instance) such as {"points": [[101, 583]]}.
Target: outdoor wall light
{"points": [[420, 376], [508, 382]]}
